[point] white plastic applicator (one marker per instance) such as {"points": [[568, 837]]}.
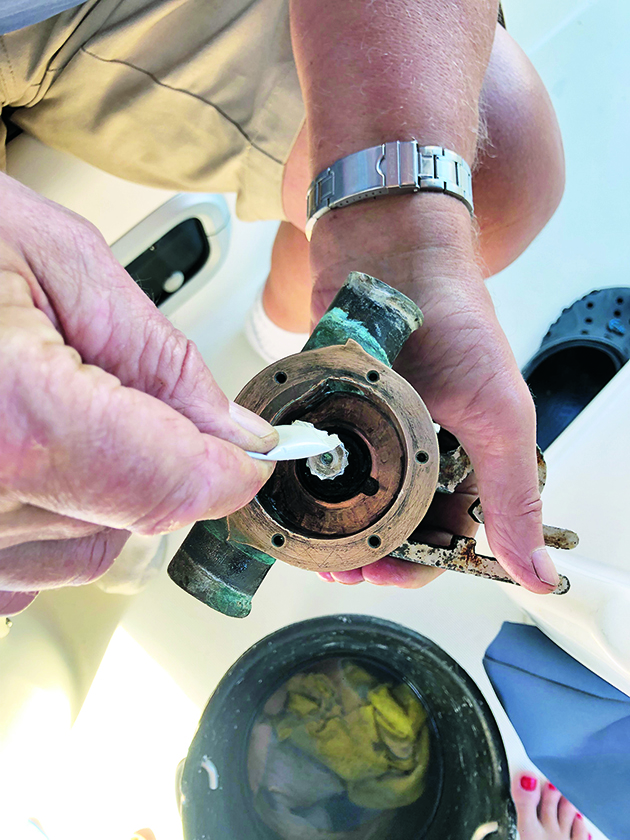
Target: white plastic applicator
{"points": [[299, 440]]}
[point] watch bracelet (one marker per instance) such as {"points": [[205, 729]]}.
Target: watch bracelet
{"points": [[392, 168]]}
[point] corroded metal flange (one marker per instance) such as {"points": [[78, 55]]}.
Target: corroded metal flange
{"points": [[393, 461], [336, 516]]}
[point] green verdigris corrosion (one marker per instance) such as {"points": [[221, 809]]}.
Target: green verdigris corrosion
{"points": [[219, 529], [221, 573], [225, 599], [336, 327], [379, 318]]}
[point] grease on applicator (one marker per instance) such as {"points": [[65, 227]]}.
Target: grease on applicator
{"points": [[299, 440]]}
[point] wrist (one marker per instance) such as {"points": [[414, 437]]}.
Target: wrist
{"points": [[408, 241]]}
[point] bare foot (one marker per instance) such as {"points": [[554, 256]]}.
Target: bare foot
{"points": [[543, 813]]}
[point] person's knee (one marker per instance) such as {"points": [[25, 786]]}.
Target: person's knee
{"points": [[519, 179]]}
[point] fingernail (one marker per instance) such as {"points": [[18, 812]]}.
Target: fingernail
{"points": [[252, 423], [349, 577], [326, 576], [550, 786], [265, 469], [544, 568], [529, 782]]}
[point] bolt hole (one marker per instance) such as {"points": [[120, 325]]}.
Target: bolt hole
{"points": [[277, 540], [371, 487], [590, 304], [589, 320], [584, 332], [372, 376], [422, 457], [617, 313], [280, 377], [374, 541], [619, 301]]}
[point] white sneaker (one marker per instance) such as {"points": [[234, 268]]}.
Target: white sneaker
{"points": [[270, 341]]}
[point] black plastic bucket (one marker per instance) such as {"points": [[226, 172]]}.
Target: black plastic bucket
{"points": [[467, 790]]}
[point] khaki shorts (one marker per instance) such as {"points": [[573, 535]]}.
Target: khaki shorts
{"points": [[188, 95]]}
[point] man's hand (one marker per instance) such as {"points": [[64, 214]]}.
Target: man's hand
{"points": [[111, 422], [459, 361], [373, 71]]}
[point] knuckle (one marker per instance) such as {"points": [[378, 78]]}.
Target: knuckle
{"points": [[514, 534], [524, 402], [516, 507], [184, 381], [530, 506], [86, 234], [517, 405], [99, 553], [181, 359], [224, 503], [86, 249], [177, 509], [499, 409]]}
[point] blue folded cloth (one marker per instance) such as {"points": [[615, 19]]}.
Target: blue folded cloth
{"points": [[15, 14], [574, 726]]}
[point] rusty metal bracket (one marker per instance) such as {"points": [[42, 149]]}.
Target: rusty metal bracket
{"points": [[461, 556]]}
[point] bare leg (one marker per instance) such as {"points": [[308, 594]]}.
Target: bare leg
{"points": [[518, 181], [544, 814], [287, 294], [520, 176]]}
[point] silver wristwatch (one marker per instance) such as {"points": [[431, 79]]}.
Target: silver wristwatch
{"points": [[388, 169]]}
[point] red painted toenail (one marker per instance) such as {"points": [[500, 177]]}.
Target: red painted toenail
{"points": [[579, 816], [551, 787], [528, 782]]}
